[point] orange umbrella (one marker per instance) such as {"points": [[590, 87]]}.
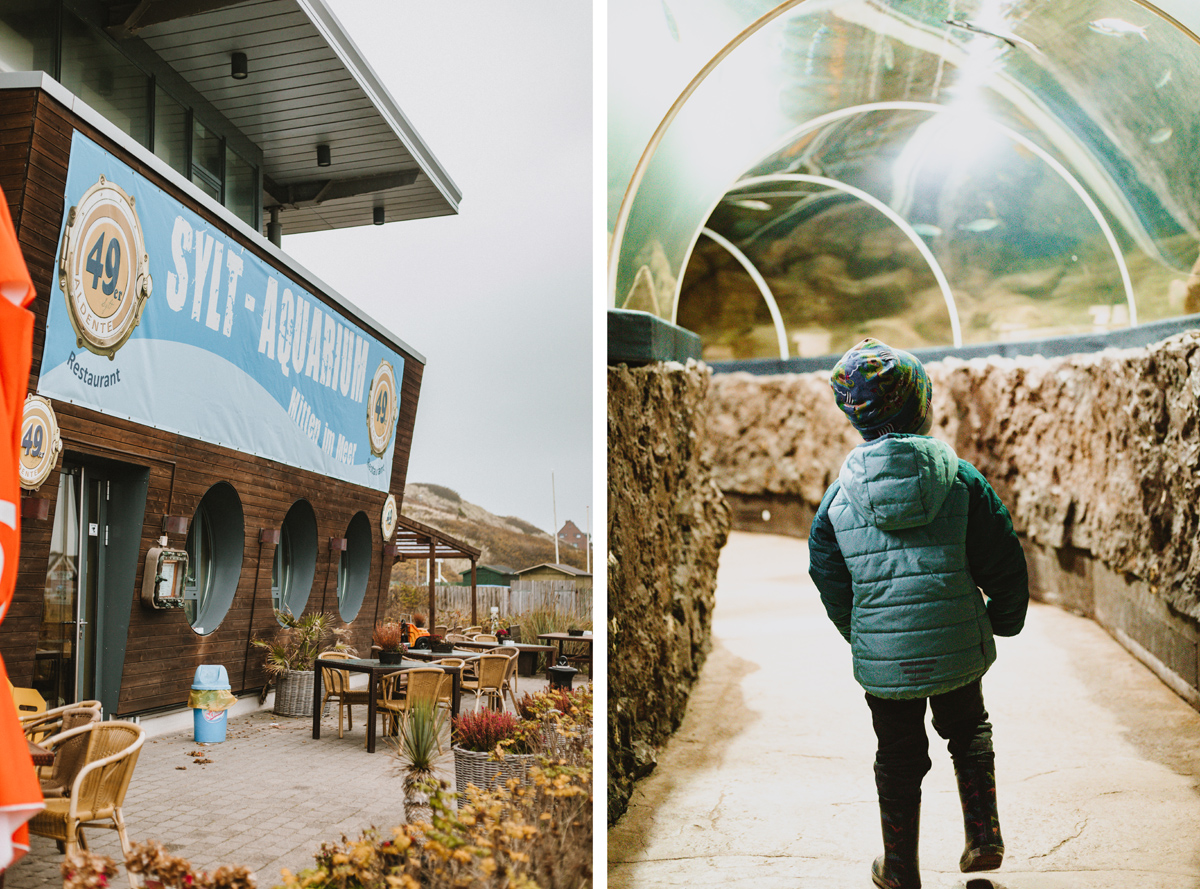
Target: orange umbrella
{"points": [[20, 793]]}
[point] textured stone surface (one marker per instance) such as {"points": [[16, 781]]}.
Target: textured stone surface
{"points": [[667, 522], [1095, 453]]}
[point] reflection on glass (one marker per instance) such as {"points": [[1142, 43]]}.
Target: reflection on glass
{"points": [[198, 582], [241, 186], [28, 34], [170, 131], [97, 72], [54, 670], [208, 155], [989, 152], [281, 571]]}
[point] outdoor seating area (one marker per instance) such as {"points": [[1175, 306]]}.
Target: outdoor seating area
{"points": [[92, 777]]}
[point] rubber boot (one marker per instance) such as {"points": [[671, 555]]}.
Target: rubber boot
{"points": [[981, 822], [897, 867]]}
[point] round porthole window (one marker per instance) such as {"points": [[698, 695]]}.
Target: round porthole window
{"points": [[354, 566], [215, 545], [295, 559]]}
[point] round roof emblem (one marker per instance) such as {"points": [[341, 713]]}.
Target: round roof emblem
{"points": [[103, 268], [381, 408], [40, 442], [387, 519]]}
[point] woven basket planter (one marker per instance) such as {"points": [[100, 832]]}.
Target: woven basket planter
{"points": [[556, 744], [294, 693], [471, 767]]}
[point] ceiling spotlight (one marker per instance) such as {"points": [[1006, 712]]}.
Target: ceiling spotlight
{"points": [[378, 216], [324, 159], [238, 67]]}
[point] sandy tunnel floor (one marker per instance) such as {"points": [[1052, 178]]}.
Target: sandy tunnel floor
{"points": [[768, 782]]}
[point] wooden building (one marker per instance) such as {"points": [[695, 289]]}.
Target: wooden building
{"points": [[551, 571], [490, 575], [194, 389]]}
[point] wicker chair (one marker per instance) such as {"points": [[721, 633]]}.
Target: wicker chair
{"points": [[510, 681], [424, 684], [492, 669], [37, 726], [457, 637], [70, 746], [98, 791], [486, 637], [472, 631], [337, 687], [441, 631], [448, 693]]}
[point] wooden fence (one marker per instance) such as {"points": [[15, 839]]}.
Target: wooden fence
{"points": [[522, 597]]}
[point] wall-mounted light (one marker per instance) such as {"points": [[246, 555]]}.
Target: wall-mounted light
{"points": [[324, 159], [378, 216], [269, 536], [239, 69], [275, 228], [35, 508], [337, 544], [175, 524]]}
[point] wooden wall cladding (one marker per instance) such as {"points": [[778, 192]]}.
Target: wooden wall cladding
{"points": [[162, 651]]}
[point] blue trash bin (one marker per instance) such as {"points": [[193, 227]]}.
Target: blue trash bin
{"points": [[210, 724]]}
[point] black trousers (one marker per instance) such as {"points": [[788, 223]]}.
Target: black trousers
{"points": [[902, 758]]}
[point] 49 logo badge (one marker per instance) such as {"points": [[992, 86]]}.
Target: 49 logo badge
{"points": [[103, 268], [381, 408]]}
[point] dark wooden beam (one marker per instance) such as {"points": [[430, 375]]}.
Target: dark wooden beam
{"points": [[126, 19], [314, 192]]}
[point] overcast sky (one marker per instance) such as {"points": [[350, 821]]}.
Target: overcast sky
{"points": [[498, 298]]}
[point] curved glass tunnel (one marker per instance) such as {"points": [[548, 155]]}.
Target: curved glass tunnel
{"points": [[931, 172]]}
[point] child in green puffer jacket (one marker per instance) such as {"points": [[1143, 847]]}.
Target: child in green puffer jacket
{"points": [[900, 548]]}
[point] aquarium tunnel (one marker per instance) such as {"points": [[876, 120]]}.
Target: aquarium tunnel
{"points": [[950, 175]]}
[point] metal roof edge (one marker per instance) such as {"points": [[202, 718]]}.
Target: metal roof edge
{"points": [[342, 44], [43, 81]]}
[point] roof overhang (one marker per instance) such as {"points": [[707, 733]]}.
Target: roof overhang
{"points": [[414, 540], [308, 85]]}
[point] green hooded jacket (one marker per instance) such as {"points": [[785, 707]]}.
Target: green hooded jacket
{"points": [[900, 549]]}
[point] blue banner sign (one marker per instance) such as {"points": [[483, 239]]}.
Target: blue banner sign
{"points": [[158, 317]]}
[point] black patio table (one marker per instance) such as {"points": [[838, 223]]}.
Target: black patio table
{"points": [[374, 669], [527, 653], [560, 638]]}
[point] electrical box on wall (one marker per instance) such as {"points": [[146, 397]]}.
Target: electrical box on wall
{"points": [[162, 584]]}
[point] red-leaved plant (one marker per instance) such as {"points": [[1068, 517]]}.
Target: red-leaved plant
{"points": [[484, 730]]}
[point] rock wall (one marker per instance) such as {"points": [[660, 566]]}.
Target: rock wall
{"points": [[1095, 455], [667, 522]]}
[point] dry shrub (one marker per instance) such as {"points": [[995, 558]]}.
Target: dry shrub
{"points": [[535, 836], [520, 836], [86, 870]]}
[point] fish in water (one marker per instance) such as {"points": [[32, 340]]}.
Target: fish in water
{"points": [[1158, 137], [925, 230], [980, 225], [1164, 80], [672, 27], [1118, 28]]}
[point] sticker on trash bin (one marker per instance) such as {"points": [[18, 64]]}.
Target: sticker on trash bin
{"points": [[213, 715]]}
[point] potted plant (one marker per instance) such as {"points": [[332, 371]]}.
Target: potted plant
{"points": [[389, 638], [491, 747], [439, 644], [419, 748], [565, 715], [290, 656]]}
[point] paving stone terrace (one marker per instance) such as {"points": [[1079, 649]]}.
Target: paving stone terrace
{"points": [[268, 798]]}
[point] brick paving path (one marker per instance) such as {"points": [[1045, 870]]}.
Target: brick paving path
{"points": [[268, 799]]}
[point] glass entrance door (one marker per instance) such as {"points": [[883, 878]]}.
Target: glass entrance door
{"points": [[66, 648]]}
